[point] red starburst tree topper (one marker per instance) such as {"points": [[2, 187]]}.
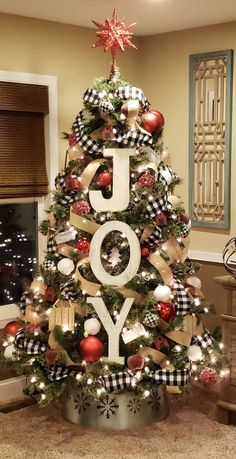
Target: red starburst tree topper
{"points": [[114, 35]]}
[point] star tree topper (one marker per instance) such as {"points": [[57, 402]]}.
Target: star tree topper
{"points": [[114, 35]]}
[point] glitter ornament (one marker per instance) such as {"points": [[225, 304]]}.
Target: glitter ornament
{"points": [[166, 311], [147, 180], [72, 139], [92, 326], [162, 293], [9, 351], [65, 266], [135, 362], [81, 207], [153, 121], [104, 179], [90, 349], [83, 245], [194, 353], [11, 328], [72, 183], [32, 328], [145, 251], [208, 376], [160, 219], [184, 218]]}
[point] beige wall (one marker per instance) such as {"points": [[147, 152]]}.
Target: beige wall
{"points": [[160, 67], [165, 79], [44, 47]]}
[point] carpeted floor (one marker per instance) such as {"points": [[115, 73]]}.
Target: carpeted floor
{"points": [[190, 432]]}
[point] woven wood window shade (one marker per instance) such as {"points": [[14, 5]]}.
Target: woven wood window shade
{"points": [[22, 144]]}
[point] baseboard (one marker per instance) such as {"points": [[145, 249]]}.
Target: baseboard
{"points": [[205, 256], [12, 389]]}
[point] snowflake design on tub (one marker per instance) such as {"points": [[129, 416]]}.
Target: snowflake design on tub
{"points": [[107, 406], [134, 405], [82, 402], [154, 399]]}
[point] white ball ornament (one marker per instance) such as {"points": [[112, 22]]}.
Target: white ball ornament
{"points": [[8, 352], [92, 326], [65, 266], [162, 293], [194, 353], [194, 281]]}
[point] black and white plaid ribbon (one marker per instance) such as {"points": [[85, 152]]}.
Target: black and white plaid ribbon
{"points": [[94, 97], [67, 291], [134, 138], [167, 174], [122, 380], [157, 206], [52, 245], [57, 372], [182, 301], [68, 198], [60, 180], [150, 319], [106, 107], [29, 345], [85, 140], [116, 381], [23, 301], [48, 264], [131, 92], [154, 238], [204, 341], [172, 378]]}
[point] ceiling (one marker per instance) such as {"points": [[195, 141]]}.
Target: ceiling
{"points": [[152, 16]]}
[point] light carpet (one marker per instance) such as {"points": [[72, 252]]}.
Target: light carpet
{"points": [[190, 432]]}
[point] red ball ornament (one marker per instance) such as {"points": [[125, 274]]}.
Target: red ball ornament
{"points": [[147, 180], [166, 311], [208, 376], [83, 245], [91, 349], [81, 207], [153, 121], [145, 251], [11, 328], [72, 183], [104, 179], [84, 159], [135, 362]]}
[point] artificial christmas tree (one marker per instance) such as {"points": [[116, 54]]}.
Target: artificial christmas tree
{"points": [[117, 304]]}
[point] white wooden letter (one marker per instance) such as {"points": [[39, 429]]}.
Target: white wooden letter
{"points": [[113, 330], [120, 192], [95, 258]]}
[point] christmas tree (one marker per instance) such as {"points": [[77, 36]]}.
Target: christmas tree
{"points": [[116, 303]]}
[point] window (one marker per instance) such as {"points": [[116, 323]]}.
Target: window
{"points": [[24, 213]]}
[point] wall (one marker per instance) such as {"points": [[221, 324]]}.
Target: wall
{"points": [[44, 47], [165, 80], [160, 68]]}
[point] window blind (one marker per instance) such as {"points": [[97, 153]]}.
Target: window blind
{"points": [[22, 140]]}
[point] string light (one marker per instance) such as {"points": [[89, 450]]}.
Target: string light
{"points": [[43, 396], [33, 379], [41, 385], [89, 381], [146, 393]]}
